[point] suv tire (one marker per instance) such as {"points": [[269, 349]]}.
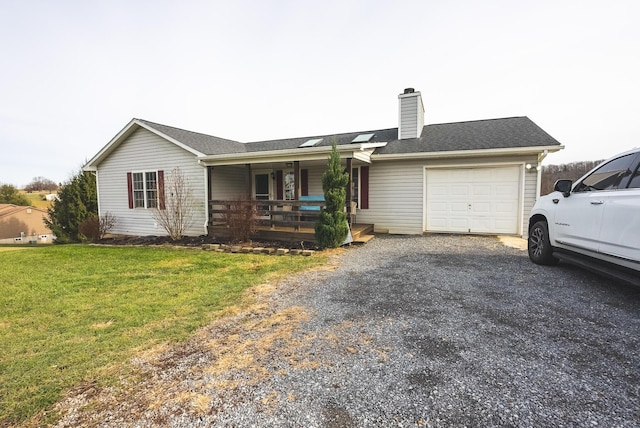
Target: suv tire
{"points": [[539, 246]]}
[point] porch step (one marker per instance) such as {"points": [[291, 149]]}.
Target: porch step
{"points": [[363, 239]]}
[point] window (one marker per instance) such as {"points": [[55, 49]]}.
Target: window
{"points": [[634, 183], [143, 189], [610, 176], [289, 186]]}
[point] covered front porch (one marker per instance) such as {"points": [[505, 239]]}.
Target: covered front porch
{"points": [[279, 220]]}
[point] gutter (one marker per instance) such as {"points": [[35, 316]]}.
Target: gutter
{"points": [[467, 153]]}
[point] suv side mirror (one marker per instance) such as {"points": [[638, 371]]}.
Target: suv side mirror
{"points": [[563, 186]]}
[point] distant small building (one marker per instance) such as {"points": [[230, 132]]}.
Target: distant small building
{"points": [[51, 197], [23, 225]]}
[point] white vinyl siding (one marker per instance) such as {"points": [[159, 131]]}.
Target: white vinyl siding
{"points": [[397, 193], [145, 151], [395, 197], [411, 116], [315, 179], [229, 182], [530, 193]]}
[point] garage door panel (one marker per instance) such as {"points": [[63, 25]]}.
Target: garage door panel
{"points": [[475, 200], [458, 207], [481, 208]]}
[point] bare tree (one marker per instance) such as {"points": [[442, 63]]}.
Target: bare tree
{"points": [[241, 217], [571, 171], [41, 183], [106, 223], [94, 228], [175, 210]]}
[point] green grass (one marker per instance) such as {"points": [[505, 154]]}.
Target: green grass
{"points": [[35, 200], [71, 314]]}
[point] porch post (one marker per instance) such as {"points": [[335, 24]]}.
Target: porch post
{"points": [[250, 186], [349, 189], [296, 180], [209, 195], [296, 191]]}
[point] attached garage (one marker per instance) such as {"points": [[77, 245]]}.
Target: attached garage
{"points": [[474, 199]]}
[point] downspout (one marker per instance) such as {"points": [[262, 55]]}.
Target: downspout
{"points": [[541, 157]]}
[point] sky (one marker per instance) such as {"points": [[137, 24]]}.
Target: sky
{"points": [[74, 73]]}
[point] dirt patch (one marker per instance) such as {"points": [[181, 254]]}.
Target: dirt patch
{"points": [[247, 345]]}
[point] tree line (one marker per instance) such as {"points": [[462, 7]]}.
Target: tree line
{"points": [[570, 171]]}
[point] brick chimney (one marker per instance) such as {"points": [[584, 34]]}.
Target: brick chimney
{"points": [[411, 114]]}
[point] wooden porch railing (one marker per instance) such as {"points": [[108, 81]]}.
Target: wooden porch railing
{"points": [[270, 213]]}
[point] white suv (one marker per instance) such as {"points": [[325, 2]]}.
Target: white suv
{"points": [[594, 222]]}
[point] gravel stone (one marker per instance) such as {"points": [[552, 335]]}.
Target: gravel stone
{"points": [[433, 331]]}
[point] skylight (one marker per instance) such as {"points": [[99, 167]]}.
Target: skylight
{"points": [[311, 143], [362, 138]]}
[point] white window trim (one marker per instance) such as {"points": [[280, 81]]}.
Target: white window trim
{"points": [[359, 183], [144, 189]]}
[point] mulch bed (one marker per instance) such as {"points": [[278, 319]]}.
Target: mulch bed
{"points": [[198, 241]]}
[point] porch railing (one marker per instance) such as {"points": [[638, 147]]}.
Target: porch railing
{"points": [[269, 213]]}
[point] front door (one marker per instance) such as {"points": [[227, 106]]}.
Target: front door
{"points": [[261, 186]]}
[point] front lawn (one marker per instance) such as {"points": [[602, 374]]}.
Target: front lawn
{"points": [[73, 313]]}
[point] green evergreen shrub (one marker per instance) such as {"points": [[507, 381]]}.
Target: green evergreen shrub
{"points": [[332, 228]]}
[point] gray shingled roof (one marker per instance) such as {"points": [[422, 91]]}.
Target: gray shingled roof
{"points": [[509, 132], [474, 135], [206, 144]]}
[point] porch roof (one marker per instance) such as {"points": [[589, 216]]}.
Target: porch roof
{"points": [[359, 151]]}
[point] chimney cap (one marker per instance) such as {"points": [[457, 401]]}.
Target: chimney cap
{"points": [[409, 90]]}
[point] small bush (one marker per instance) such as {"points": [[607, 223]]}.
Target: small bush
{"points": [[90, 228], [241, 218]]}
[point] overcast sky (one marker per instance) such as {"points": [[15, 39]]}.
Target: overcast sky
{"points": [[74, 73]]}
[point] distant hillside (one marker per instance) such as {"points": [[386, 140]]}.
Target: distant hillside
{"points": [[571, 171]]}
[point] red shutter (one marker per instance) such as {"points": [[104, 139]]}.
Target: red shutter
{"points": [[130, 189], [279, 185], [161, 197], [364, 187], [304, 182]]}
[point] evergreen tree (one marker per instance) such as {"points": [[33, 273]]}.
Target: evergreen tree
{"points": [[332, 229], [77, 202]]}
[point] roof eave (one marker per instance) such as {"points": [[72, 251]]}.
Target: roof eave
{"points": [[468, 153]]}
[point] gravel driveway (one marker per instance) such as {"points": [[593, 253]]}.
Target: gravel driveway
{"points": [[405, 331]]}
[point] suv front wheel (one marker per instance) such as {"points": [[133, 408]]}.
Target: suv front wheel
{"points": [[539, 246]]}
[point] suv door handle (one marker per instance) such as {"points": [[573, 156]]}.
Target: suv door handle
{"points": [[597, 202]]}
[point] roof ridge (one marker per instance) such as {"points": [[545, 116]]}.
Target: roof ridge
{"points": [[322, 135]]}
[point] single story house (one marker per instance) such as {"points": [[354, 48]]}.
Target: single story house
{"points": [[476, 177], [22, 225]]}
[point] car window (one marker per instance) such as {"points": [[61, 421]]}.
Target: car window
{"points": [[609, 176], [635, 180]]}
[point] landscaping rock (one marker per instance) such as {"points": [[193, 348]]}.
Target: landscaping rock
{"points": [[282, 251]]}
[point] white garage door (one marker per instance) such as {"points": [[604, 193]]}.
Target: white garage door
{"points": [[473, 200]]}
